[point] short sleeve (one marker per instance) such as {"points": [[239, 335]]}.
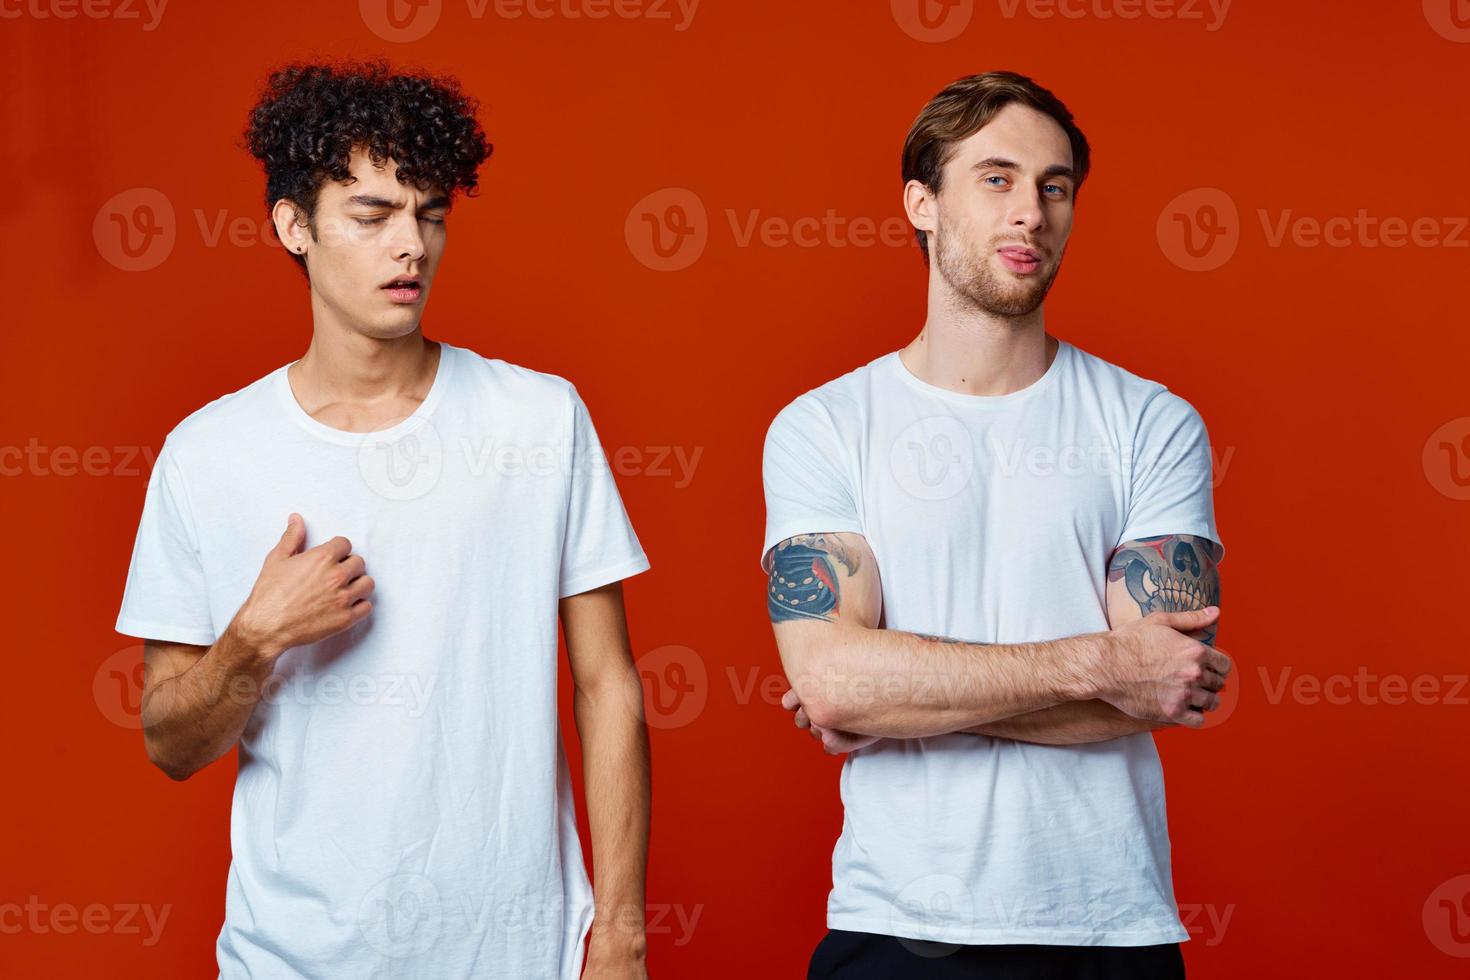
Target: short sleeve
{"points": [[599, 546], [1172, 488], [807, 487], [165, 597]]}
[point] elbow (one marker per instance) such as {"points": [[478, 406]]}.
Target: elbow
{"points": [[617, 692], [826, 713], [816, 671], [174, 769]]}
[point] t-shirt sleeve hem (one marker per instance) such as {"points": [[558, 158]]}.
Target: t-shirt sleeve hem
{"points": [[602, 576], [810, 526], [145, 629], [1174, 527]]}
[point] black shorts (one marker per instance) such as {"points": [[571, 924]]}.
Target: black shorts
{"points": [[845, 955]]}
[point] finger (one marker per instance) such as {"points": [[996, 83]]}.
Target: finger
{"points": [[1210, 681], [842, 742], [1218, 661], [338, 547], [1188, 620], [1203, 700], [790, 701], [354, 566], [802, 721], [359, 611], [292, 539], [360, 588]]}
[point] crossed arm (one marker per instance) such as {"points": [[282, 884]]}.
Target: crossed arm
{"points": [[853, 682]]}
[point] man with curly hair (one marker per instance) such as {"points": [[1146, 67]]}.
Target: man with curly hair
{"points": [[353, 569]]}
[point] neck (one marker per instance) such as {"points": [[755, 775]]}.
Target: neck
{"points": [[975, 352], [341, 366]]}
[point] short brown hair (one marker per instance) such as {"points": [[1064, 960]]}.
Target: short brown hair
{"points": [[961, 109]]}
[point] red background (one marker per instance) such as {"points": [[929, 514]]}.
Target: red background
{"points": [[1328, 831]]}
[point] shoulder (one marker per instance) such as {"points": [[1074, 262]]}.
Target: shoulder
{"points": [[535, 394], [509, 378], [1147, 403], [829, 407], [220, 423]]}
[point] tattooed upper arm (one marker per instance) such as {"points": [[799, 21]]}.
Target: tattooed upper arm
{"points": [[1164, 573], [828, 577]]}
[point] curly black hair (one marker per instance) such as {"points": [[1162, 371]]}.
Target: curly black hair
{"points": [[310, 116]]}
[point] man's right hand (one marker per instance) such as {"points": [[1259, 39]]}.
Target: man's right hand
{"points": [[1155, 672], [304, 596]]}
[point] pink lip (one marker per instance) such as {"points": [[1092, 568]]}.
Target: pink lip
{"points": [[1020, 260], [405, 294]]}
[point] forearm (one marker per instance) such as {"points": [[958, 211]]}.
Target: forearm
{"points": [[1069, 723], [615, 767], [1076, 722], [905, 685], [195, 717]]}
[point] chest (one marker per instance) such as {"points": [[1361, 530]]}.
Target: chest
{"points": [[947, 496]]}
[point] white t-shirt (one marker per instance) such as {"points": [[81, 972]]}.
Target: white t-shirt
{"points": [[403, 806], [992, 519]]}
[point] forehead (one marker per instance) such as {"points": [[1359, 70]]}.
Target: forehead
{"points": [[1020, 133]]}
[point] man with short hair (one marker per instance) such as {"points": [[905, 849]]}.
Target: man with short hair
{"points": [[353, 570], [991, 566]]}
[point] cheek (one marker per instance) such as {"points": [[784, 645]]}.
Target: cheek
{"points": [[1060, 220], [347, 270], [962, 220]]}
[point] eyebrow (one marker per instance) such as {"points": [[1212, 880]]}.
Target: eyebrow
{"points": [[373, 201], [1001, 163]]}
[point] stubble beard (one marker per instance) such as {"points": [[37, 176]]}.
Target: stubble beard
{"points": [[974, 279]]}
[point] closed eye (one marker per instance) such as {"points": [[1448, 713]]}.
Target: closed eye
{"points": [[380, 219]]}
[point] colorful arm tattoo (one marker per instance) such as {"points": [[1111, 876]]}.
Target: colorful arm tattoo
{"points": [[804, 583], [1169, 573]]}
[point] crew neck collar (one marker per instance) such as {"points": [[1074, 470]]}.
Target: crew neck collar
{"points": [[343, 437], [1047, 379]]}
